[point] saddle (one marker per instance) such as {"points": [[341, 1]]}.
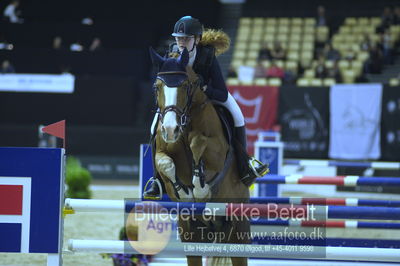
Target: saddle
{"points": [[226, 121], [234, 146], [228, 127]]}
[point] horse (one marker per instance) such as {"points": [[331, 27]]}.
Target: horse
{"points": [[193, 156]]}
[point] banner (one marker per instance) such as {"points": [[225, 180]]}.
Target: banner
{"points": [[31, 196], [37, 83], [390, 124], [259, 106], [355, 121], [304, 120]]}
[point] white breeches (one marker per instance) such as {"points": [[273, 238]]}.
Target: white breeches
{"points": [[230, 104], [234, 109]]}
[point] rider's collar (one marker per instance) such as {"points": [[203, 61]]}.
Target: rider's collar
{"points": [[192, 56]]}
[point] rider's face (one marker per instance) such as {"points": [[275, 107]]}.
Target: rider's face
{"points": [[183, 42]]}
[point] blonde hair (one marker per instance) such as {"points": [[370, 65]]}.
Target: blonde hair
{"points": [[216, 38]]}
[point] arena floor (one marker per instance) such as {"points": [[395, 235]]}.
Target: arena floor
{"points": [[107, 226]]}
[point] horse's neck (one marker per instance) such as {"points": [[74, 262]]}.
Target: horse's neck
{"points": [[199, 101]]}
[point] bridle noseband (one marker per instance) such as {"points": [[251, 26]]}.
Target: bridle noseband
{"points": [[183, 114]]}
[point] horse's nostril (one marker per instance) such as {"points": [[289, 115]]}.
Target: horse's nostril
{"points": [[176, 132]]}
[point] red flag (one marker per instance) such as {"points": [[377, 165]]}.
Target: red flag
{"points": [[56, 129]]}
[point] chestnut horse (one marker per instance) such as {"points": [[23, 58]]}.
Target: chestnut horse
{"points": [[193, 156]]}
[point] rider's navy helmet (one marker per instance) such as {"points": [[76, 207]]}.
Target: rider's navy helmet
{"points": [[187, 26]]}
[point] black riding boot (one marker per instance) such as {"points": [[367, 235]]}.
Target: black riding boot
{"points": [[154, 191], [249, 167]]}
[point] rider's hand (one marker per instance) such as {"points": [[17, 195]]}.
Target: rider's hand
{"points": [[204, 88]]}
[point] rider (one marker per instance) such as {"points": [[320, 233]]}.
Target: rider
{"points": [[188, 32]]}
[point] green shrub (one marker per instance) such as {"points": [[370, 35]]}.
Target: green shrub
{"points": [[77, 179]]}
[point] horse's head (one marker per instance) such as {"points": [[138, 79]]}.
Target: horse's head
{"points": [[173, 92]]}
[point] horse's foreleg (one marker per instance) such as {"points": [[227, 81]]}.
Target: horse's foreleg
{"points": [[166, 167], [194, 260], [198, 144]]}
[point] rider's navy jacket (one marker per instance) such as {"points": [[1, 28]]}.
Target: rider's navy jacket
{"points": [[211, 73], [206, 65]]}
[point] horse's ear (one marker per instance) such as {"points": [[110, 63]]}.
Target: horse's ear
{"points": [[155, 57], [184, 58]]}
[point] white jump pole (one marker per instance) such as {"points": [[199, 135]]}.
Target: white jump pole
{"points": [[244, 250], [84, 205]]}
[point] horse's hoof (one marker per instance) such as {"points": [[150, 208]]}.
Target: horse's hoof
{"points": [[200, 192], [185, 196]]}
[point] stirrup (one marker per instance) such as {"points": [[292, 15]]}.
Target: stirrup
{"points": [[254, 163], [150, 181]]}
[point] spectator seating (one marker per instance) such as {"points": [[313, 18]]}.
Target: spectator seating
{"points": [[296, 35], [300, 38]]}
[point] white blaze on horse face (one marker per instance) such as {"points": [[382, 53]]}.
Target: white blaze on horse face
{"points": [[170, 126]]}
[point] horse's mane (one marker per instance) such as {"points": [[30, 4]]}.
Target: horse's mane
{"points": [[216, 38], [191, 74]]}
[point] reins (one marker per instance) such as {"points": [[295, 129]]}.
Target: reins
{"points": [[183, 114]]}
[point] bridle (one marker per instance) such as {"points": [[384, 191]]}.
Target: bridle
{"points": [[183, 114]]}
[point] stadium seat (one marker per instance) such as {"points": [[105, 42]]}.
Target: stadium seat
{"points": [[261, 82], [328, 82], [310, 21], [252, 54], [394, 82], [348, 76], [274, 82], [236, 63], [292, 66], [350, 21], [293, 55], [309, 73], [246, 83], [329, 63], [316, 82], [258, 22], [239, 54], [343, 64], [271, 21], [303, 82], [297, 21], [232, 82], [250, 62], [266, 63], [255, 46], [245, 21]]}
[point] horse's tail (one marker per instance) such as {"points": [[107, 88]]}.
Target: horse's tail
{"points": [[217, 38]]}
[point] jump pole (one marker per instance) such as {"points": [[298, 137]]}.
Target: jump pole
{"points": [[270, 210], [326, 201], [241, 250], [348, 181], [328, 224], [325, 163]]}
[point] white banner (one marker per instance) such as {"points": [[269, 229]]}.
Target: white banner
{"points": [[355, 115], [246, 73], [46, 83]]}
